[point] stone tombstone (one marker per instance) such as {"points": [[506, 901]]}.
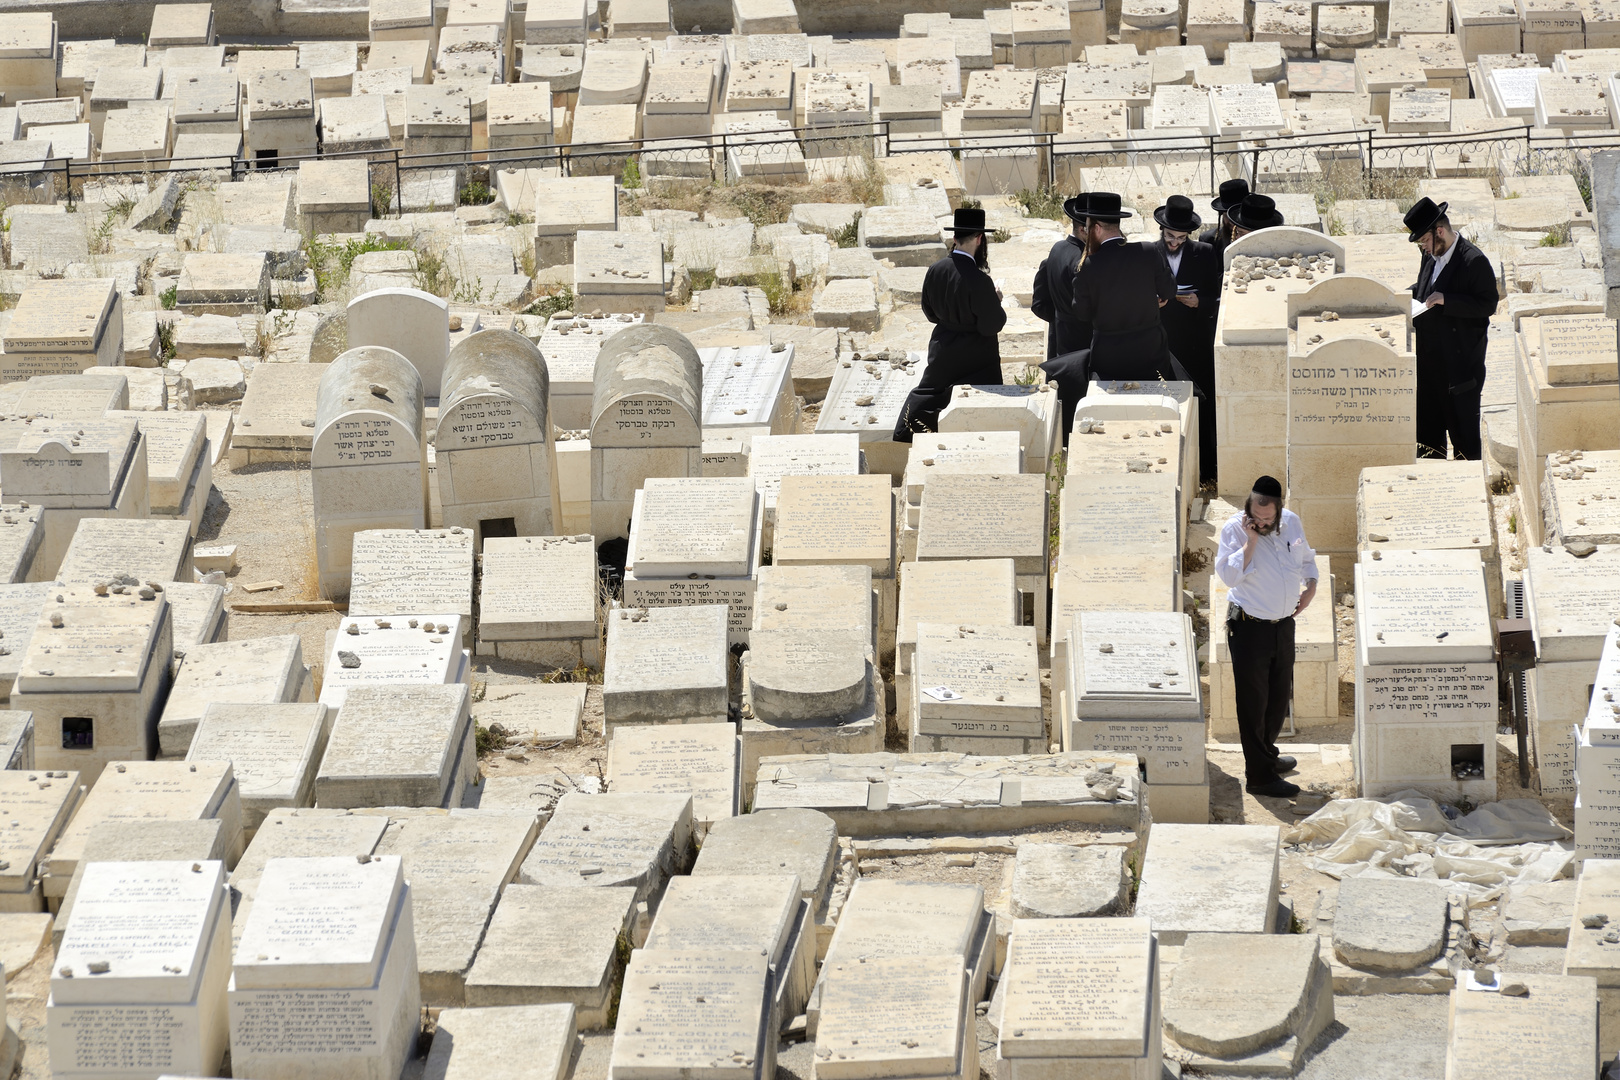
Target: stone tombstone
{"points": [[538, 601], [63, 327], [495, 463], [399, 745], [138, 987], [646, 420], [696, 759], [16, 740], [399, 570], [611, 840], [1555, 1025], [324, 985], [273, 750], [40, 807], [696, 540], [402, 649], [794, 841], [458, 865], [666, 665], [95, 674], [553, 947], [112, 550], [976, 682], [684, 1011], [369, 461], [915, 918], [895, 1014], [513, 1042], [263, 670], [1210, 879], [300, 833], [412, 323], [835, 521], [1084, 992]]}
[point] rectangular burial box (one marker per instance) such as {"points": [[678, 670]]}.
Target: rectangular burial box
{"points": [[976, 689], [274, 750], [95, 675], [1210, 879], [666, 666], [539, 601], [696, 540], [1426, 695], [138, 987], [398, 570], [62, 328], [268, 670], [401, 649], [399, 745], [338, 948], [40, 805]]}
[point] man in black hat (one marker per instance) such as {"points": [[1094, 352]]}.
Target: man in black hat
{"points": [[964, 305], [1458, 289], [1254, 212], [1189, 321], [1219, 234], [1053, 299], [1270, 575], [1119, 289]]}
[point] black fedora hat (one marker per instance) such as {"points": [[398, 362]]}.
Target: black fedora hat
{"points": [[1177, 215], [1101, 206], [968, 220], [1421, 218], [1076, 208], [1232, 193], [1255, 212]]}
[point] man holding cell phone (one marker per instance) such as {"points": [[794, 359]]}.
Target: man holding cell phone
{"points": [[1270, 574]]}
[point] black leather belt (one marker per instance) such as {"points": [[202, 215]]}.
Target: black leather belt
{"points": [[1237, 614]]}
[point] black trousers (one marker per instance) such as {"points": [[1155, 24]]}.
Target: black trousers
{"points": [[1442, 412], [922, 406], [1263, 681]]}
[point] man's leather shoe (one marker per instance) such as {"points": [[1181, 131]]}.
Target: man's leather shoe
{"points": [[1274, 789], [1285, 764]]}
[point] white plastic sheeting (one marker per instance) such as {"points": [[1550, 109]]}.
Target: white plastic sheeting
{"points": [[1515, 841]]}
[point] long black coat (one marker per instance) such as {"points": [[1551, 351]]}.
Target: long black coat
{"points": [[1117, 290], [1192, 330], [1217, 236], [960, 300], [1452, 335], [1053, 299]]}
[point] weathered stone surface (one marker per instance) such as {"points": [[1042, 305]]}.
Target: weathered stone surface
{"points": [[1286, 991], [1392, 923], [1060, 881], [1539, 913], [790, 841]]}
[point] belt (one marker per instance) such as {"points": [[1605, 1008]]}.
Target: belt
{"points": [[1237, 614]]}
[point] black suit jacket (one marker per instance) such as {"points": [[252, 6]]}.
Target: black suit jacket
{"points": [[960, 300], [1119, 287], [1453, 334], [1053, 298]]}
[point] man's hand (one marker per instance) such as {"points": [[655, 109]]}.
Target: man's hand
{"points": [[1163, 302], [1434, 300], [1190, 299], [1306, 597]]}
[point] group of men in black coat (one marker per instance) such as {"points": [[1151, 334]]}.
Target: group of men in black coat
{"points": [[1146, 312]]}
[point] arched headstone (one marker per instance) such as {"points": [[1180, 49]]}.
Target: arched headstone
{"points": [[368, 466], [497, 473], [331, 338], [645, 420], [411, 322]]}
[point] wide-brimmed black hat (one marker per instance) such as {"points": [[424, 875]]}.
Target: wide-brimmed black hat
{"points": [[1177, 215], [968, 220], [1099, 206], [1421, 218], [1232, 193], [1255, 212], [1075, 207]]}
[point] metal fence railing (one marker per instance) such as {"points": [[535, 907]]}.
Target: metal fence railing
{"points": [[1008, 160]]}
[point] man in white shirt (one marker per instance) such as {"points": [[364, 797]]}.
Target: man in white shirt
{"points": [[1270, 575]]}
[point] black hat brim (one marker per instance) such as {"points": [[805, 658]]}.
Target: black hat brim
{"points": [[1417, 234], [1251, 224], [1197, 222], [1075, 209]]}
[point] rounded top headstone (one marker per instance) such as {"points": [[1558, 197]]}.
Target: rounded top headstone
{"points": [[647, 361], [372, 380], [331, 338], [497, 363]]}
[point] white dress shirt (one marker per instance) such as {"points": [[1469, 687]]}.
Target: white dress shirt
{"points": [[1439, 264], [1174, 259], [1282, 563]]}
